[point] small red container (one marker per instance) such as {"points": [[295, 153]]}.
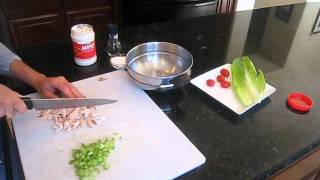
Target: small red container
{"points": [[299, 101]]}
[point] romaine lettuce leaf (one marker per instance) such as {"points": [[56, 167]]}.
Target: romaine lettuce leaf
{"points": [[248, 83]]}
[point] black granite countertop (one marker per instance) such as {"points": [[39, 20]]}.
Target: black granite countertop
{"points": [[256, 144]]}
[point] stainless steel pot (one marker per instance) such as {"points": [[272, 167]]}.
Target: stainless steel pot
{"points": [[158, 65]]}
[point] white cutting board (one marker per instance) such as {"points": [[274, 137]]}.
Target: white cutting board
{"points": [[152, 147]]}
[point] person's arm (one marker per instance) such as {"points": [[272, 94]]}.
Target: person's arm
{"points": [[6, 58], [10, 102], [51, 87]]}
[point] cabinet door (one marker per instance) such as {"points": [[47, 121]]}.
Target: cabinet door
{"points": [[35, 30], [97, 17], [84, 4], [305, 168], [27, 8]]}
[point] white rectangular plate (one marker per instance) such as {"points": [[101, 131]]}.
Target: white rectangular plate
{"points": [[226, 96]]}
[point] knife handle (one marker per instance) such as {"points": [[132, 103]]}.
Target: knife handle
{"points": [[27, 101]]}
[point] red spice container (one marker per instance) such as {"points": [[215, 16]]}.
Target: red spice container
{"points": [[84, 46]]}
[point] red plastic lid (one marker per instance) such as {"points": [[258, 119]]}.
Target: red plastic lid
{"points": [[299, 101]]}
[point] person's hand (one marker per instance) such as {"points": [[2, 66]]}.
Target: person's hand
{"points": [[10, 102], [54, 87]]}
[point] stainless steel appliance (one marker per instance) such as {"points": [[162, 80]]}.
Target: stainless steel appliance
{"points": [[144, 11]]}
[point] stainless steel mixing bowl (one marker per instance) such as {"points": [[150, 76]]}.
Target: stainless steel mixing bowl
{"points": [[159, 65]]}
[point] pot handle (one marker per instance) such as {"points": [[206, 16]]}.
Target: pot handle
{"points": [[166, 86], [118, 62], [181, 80]]}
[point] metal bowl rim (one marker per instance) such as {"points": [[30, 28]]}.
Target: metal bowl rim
{"points": [[164, 77]]}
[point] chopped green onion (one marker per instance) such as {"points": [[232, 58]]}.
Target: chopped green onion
{"points": [[89, 159]]}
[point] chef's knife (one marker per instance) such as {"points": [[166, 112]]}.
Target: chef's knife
{"points": [[59, 103]]}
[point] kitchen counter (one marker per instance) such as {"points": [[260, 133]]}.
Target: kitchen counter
{"points": [[254, 145]]}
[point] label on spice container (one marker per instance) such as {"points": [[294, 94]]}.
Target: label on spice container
{"points": [[84, 51]]}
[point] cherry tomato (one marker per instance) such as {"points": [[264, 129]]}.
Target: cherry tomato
{"points": [[225, 72], [210, 82], [225, 84], [221, 78]]}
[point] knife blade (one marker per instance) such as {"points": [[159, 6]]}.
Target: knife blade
{"points": [[59, 103]]}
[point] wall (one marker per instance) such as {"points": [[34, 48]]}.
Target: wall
{"points": [[292, 47], [240, 26], [306, 41], [279, 35], [243, 5], [303, 54], [255, 4], [268, 3]]}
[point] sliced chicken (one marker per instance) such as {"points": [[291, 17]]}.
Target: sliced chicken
{"points": [[69, 119]]}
